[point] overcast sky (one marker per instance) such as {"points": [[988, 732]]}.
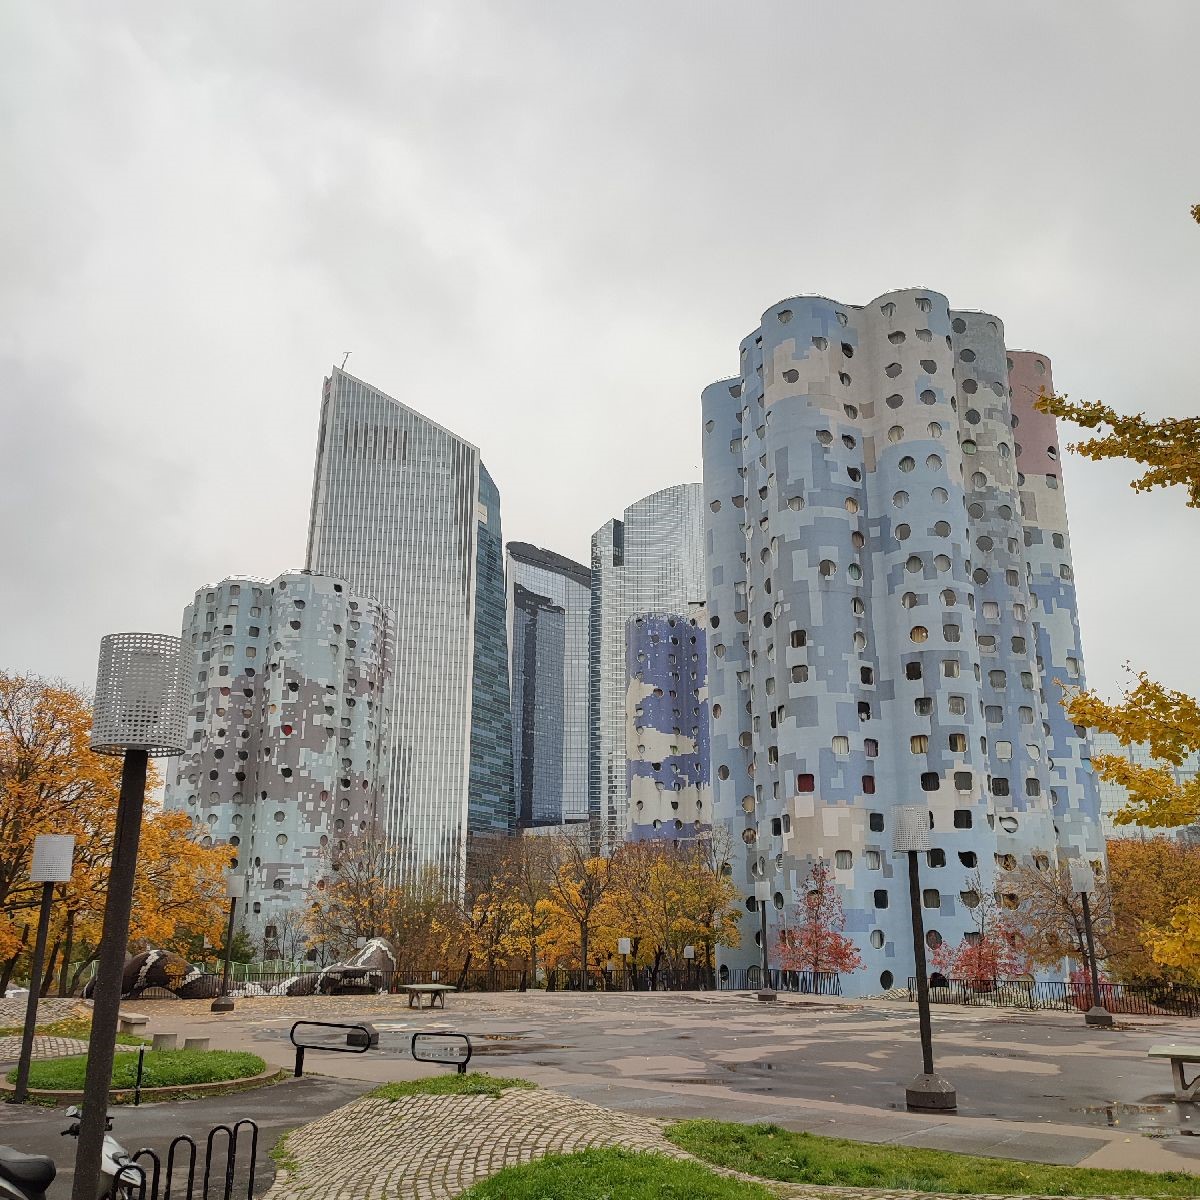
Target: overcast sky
{"points": [[547, 226]]}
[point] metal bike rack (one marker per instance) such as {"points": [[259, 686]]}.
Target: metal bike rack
{"points": [[447, 1055], [367, 1034]]}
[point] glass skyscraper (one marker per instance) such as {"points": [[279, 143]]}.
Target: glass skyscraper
{"points": [[649, 561], [549, 604], [405, 512]]}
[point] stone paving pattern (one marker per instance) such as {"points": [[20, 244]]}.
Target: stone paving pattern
{"points": [[43, 1047], [436, 1147], [50, 1009]]}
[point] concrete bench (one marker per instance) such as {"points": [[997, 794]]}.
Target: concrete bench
{"points": [[435, 991], [133, 1022], [1179, 1054]]}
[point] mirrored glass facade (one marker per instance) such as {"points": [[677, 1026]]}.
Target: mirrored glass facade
{"points": [[400, 508], [549, 599], [651, 560]]}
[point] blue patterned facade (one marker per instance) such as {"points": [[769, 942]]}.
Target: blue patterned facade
{"points": [[667, 734], [874, 636]]}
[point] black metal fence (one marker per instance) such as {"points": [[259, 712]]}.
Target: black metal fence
{"points": [[1157, 999], [811, 983], [372, 981]]}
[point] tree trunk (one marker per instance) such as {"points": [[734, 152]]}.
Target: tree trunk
{"points": [[654, 969], [48, 974], [79, 970], [583, 954], [462, 975], [10, 966], [66, 960]]}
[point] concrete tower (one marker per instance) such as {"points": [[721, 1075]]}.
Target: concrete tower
{"points": [[288, 729], [875, 633]]}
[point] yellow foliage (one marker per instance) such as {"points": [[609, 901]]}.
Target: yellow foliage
{"points": [[51, 782], [1169, 722], [1169, 449], [1178, 946]]}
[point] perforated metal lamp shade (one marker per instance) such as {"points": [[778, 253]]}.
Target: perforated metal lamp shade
{"points": [[141, 694], [910, 828]]}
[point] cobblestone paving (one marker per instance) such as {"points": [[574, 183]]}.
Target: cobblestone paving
{"points": [[43, 1047], [50, 1009], [49, 1047], [435, 1147]]}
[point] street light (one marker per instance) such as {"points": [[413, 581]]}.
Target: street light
{"points": [[51, 864], [235, 889], [928, 1092], [762, 894], [140, 712], [1083, 881]]}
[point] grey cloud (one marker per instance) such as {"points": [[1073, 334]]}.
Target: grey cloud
{"points": [[546, 226]]}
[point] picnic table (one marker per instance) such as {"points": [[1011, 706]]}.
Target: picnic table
{"points": [[1179, 1054], [435, 991]]}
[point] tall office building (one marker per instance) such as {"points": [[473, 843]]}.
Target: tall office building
{"points": [[288, 729], [649, 561], [549, 598], [890, 600], [403, 509]]}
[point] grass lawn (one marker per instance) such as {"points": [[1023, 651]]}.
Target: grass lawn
{"points": [[773, 1153], [79, 1027], [477, 1084], [164, 1068], [612, 1175]]}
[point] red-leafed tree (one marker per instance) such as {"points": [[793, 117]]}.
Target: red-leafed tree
{"points": [[815, 941], [992, 950]]}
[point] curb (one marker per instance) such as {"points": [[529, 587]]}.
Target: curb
{"points": [[271, 1074]]}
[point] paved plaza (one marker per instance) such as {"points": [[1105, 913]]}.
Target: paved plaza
{"points": [[1030, 1085], [614, 1068]]}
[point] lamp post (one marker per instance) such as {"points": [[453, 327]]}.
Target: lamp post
{"points": [[1083, 882], [762, 894], [235, 889], [51, 864], [140, 712], [928, 1092]]}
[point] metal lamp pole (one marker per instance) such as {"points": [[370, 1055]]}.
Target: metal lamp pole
{"points": [[140, 712], [928, 1092], [51, 864], [235, 889], [762, 893], [1083, 881]]}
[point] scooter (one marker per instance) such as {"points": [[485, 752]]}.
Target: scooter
{"points": [[27, 1176]]}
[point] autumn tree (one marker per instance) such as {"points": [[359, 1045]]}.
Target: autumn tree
{"points": [[579, 882], [993, 949], [1045, 917], [815, 941], [1166, 719], [52, 782], [1155, 884], [491, 915], [530, 876]]}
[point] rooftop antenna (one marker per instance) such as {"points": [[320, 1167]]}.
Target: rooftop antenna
{"points": [[345, 359]]}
